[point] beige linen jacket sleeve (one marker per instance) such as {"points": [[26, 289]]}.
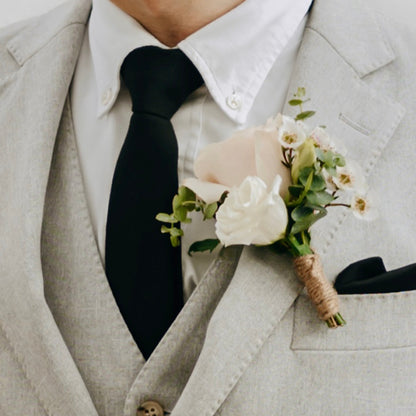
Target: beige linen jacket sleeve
{"points": [[264, 351]]}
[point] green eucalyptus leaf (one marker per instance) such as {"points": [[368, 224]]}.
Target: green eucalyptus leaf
{"points": [[182, 205], [304, 115], [296, 190], [186, 194], [301, 212], [331, 171], [302, 225], [164, 229], [204, 245], [190, 206], [320, 154], [175, 241], [326, 157], [329, 157], [163, 217], [304, 175], [318, 182], [295, 102], [339, 160], [180, 213], [176, 201], [306, 222], [210, 210], [305, 216], [176, 232], [320, 198], [300, 92]]}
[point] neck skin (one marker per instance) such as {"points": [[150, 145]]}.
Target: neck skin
{"points": [[171, 21]]}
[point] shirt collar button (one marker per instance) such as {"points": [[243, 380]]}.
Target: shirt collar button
{"points": [[234, 101]]}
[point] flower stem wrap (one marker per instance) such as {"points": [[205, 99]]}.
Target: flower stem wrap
{"points": [[323, 295]]}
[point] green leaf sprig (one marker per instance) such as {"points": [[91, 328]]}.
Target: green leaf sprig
{"points": [[308, 198], [299, 100], [183, 203]]}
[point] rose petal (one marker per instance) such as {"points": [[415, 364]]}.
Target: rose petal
{"points": [[251, 152], [207, 191], [268, 156], [251, 214], [228, 162]]}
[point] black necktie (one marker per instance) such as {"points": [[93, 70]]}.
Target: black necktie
{"points": [[143, 270]]}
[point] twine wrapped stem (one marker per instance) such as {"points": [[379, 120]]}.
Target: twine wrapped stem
{"points": [[323, 295]]}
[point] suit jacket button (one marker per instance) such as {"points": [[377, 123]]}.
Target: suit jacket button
{"points": [[150, 408]]}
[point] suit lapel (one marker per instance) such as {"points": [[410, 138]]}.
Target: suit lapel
{"points": [[335, 60], [165, 374], [261, 291], [33, 98], [335, 55]]}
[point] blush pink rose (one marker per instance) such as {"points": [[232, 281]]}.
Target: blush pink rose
{"points": [[255, 151]]}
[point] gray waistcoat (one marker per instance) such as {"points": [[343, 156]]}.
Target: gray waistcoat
{"points": [[84, 308]]}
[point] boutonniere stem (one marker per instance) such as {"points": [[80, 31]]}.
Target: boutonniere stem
{"points": [[322, 293]]}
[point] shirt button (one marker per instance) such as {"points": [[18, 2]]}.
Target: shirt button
{"points": [[150, 408], [106, 96], [234, 101]]}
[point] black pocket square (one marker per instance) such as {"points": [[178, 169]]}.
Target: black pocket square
{"points": [[370, 276]]}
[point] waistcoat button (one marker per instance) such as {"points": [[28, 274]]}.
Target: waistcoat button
{"points": [[150, 408]]}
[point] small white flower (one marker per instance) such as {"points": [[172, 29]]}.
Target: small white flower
{"points": [[362, 207], [251, 214], [322, 139], [329, 181], [350, 178], [273, 123], [325, 142], [291, 133]]}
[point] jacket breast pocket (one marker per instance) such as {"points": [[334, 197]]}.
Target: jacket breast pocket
{"points": [[374, 321]]}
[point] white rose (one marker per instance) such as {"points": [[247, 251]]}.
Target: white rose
{"points": [[251, 214]]}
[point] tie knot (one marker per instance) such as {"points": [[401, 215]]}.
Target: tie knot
{"points": [[159, 80]]}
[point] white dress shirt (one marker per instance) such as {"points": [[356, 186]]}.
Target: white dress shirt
{"points": [[245, 59]]}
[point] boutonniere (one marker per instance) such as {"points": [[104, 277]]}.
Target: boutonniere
{"points": [[267, 186]]}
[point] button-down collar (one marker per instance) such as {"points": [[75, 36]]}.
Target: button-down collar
{"points": [[233, 54]]}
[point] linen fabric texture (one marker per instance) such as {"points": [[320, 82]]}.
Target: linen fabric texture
{"points": [[248, 341]]}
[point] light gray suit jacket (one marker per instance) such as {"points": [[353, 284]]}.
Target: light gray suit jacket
{"points": [[248, 341]]}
